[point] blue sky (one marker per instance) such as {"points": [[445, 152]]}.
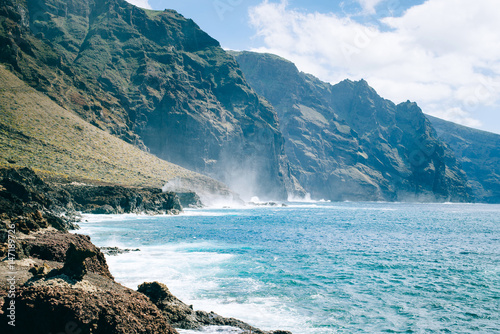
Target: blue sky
{"points": [[228, 20], [442, 54]]}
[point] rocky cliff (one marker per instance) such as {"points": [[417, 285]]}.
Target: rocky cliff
{"points": [[478, 152], [153, 79], [345, 142], [35, 132]]}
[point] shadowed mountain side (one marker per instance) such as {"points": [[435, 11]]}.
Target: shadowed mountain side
{"points": [[35, 132], [345, 142], [478, 152], [154, 79]]}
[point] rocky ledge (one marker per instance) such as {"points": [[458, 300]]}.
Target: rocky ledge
{"points": [[183, 316], [32, 203], [52, 281], [62, 285]]}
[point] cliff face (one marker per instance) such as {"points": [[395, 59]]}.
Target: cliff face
{"points": [[345, 142], [153, 79], [478, 152]]}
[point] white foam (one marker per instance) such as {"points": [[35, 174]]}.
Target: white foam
{"points": [[186, 272], [212, 329], [266, 313], [119, 218]]}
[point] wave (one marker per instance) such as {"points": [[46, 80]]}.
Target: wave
{"points": [[211, 330]]}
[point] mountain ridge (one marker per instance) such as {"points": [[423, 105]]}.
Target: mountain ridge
{"points": [[153, 79], [37, 133], [345, 142]]}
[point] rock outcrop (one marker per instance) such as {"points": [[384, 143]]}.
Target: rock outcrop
{"points": [[57, 246], [67, 309], [118, 199], [478, 152], [31, 203], [62, 284], [345, 142], [154, 79], [183, 316], [55, 282]]}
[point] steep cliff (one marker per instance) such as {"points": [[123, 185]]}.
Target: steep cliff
{"points": [[345, 142], [153, 79], [478, 152]]}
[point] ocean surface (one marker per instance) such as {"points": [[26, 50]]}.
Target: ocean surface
{"points": [[315, 268]]}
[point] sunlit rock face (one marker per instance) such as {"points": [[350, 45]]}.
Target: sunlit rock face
{"points": [[152, 78], [345, 142]]}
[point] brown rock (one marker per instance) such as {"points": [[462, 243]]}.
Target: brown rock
{"points": [[49, 309], [53, 246], [40, 271], [74, 266], [183, 316]]}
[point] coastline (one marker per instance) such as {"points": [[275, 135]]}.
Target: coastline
{"points": [[60, 281], [271, 256]]}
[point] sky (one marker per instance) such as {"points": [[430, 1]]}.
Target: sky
{"points": [[442, 54]]}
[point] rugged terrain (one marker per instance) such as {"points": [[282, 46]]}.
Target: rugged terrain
{"points": [[35, 132], [52, 281], [478, 152], [345, 142], [151, 78]]}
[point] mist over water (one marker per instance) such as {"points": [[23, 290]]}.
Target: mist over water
{"points": [[321, 267]]}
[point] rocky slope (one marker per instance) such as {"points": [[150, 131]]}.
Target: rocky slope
{"points": [[52, 281], [478, 152], [153, 79], [345, 142], [31, 203], [37, 133]]}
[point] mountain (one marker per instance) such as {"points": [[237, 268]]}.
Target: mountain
{"points": [[153, 79], [478, 152], [35, 132], [345, 142]]}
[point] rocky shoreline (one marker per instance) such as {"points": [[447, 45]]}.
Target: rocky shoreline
{"points": [[52, 281]]}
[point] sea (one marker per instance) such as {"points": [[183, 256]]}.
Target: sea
{"points": [[317, 267]]}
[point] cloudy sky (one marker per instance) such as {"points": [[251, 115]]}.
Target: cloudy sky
{"points": [[442, 54]]}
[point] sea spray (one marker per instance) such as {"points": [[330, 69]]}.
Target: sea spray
{"points": [[319, 268]]}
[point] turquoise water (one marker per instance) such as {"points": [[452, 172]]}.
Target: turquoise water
{"points": [[324, 267]]}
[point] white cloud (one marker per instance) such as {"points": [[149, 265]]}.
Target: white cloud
{"points": [[140, 3], [457, 115], [369, 5], [443, 54]]}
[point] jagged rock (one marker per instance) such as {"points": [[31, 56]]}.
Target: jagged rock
{"points": [[30, 203], [60, 309], [118, 199], [478, 152], [185, 98], [345, 142], [55, 246], [178, 313], [74, 265], [183, 316]]}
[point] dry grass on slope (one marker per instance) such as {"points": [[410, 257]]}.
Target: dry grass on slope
{"points": [[35, 132]]}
